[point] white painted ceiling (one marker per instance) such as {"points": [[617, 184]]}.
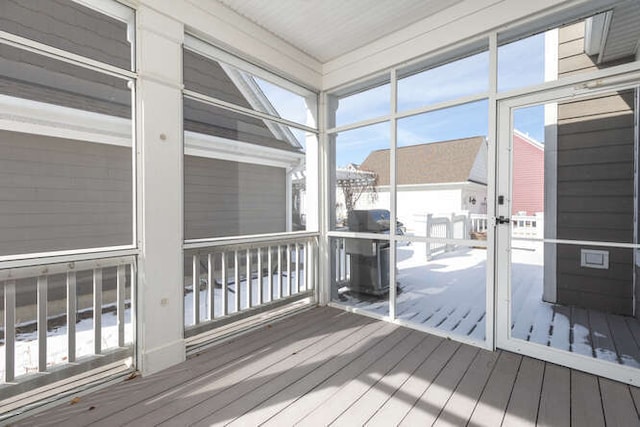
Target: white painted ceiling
{"points": [[327, 29]]}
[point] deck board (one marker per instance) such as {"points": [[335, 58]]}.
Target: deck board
{"points": [[555, 399], [331, 410], [394, 410], [617, 403], [394, 344], [525, 396], [360, 412], [491, 407], [207, 398], [425, 411], [461, 404], [586, 404], [328, 366]]}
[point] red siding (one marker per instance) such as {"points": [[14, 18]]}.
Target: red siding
{"points": [[528, 177]]}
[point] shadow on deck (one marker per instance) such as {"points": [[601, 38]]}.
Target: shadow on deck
{"points": [[326, 366]]}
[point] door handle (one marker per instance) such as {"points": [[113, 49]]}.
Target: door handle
{"points": [[502, 220]]}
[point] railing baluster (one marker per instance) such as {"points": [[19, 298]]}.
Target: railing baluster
{"points": [[223, 277], [248, 281], [297, 288], [9, 330], [97, 310], [289, 281], [270, 272], [132, 298], [237, 280], [42, 323], [211, 285], [72, 309], [260, 296], [120, 302], [195, 285], [308, 266], [280, 294]]}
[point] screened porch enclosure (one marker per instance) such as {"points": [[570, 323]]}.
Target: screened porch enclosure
{"points": [[277, 213]]}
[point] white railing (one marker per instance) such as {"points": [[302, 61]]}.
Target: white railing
{"points": [[454, 226], [342, 262], [527, 226], [522, 226], [478, 223], [225, 279], [59, 316]]}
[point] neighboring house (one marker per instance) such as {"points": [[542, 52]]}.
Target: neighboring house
{"points": [[528, 175], [433, 178]]}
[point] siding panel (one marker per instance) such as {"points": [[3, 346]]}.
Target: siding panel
{"points": [[595, 186], [223, 198], [58, 194]]}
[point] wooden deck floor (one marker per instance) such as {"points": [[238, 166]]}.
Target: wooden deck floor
{"points": [[326, 366]]}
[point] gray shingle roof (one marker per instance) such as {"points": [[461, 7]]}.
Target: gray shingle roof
{"points": [[430, 163]]}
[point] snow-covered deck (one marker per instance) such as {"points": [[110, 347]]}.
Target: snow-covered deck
{"points": [[449, 293]]}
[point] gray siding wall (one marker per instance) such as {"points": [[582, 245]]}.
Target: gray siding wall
{"points": [[595, 187], [31, 76], [206, 76], [69, 26], [224, 198], [59, 194]]}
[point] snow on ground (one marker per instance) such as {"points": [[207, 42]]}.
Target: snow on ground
{"points": [[27, 343], [284, 291], [449, 293]]}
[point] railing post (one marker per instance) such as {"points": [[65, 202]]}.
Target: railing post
{"points": [[428, 234], [9, 330], [72, 308], [450, 232], [42, 323]]}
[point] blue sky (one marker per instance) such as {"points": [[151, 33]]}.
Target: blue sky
{"points": [[519, 64]]}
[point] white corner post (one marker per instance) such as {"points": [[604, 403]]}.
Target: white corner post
{"points": [[328, 108], [160, 155], [550, 290]]}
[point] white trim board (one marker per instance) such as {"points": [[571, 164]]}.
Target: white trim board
{"points": [[23, 115], [197, 144], [39, 118]]}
